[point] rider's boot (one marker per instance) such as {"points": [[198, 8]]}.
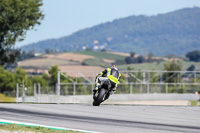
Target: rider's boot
{"points": [[96, 88], [113, 91]]}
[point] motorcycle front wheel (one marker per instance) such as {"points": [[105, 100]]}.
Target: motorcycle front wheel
{"points": [[100, 98]]}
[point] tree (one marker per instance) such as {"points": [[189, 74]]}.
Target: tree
{"points": [[172, 77], [132, 60], [38, 79], [45, 76], [53, 72], [191, 68], [51, 51], [22, 75], [27, 55], [140, 59], [17, 16], [103, 50], [7, 80], [194, 55], [132, 54], [150, 55]]}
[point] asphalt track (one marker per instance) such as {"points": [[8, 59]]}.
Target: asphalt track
{"points": [[107, 118]]}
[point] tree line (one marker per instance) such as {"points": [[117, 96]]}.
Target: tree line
{"points": [[8, 79], [133, 59], [194, 55], [47, 81]]}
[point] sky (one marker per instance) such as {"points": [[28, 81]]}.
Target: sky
{"points": [[64, 17]]}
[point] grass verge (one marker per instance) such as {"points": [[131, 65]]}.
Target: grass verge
{"points": [[3, 98], [14, 127], [194, 103]]}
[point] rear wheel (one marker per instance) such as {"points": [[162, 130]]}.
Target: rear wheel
{"points": [[100, 98]]}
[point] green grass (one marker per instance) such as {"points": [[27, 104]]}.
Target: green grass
{"points": [[95, 62], [101, 55], [194, 103], [144, 66], [3, 98], [187, 64], [14, 127], [157, 66]]}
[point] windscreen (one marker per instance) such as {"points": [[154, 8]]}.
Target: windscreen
{"points": [[114, 73]]}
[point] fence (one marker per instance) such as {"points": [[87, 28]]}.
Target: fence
{"points": [[132, 82]]}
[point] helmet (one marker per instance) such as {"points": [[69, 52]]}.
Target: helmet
{"points": [[113, 67]]}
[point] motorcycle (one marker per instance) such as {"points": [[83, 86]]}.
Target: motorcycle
{"points": [[103, 91]]}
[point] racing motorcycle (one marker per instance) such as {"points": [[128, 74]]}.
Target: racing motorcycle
{"points": [[103, 91]]}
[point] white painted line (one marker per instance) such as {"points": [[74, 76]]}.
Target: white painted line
{"points": [[2, 121]]}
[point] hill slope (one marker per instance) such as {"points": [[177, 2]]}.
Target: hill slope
{"points": [[176, 33]]}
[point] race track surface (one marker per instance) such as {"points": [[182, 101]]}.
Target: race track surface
{"points": [[107, 118]]}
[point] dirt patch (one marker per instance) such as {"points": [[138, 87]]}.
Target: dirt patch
{"points": [[73, 70], [109, 61], [36, 70], [46, 63], [119, 53], [81, 71], [66, 62], [74, 57], [49, 56]]}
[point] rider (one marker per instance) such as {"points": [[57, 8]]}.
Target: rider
{"points": [[112, 74]]}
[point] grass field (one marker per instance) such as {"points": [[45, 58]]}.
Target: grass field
{"points": [[43, 63], [3, 98], [143, 66], [158, 66], [46, 61], [67, 61], [194, 103], [102, 55], [32, 129], [96, 62]]}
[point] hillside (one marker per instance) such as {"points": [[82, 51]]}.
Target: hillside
{"points": [[88, 61], [175, 33], [77, 61]]}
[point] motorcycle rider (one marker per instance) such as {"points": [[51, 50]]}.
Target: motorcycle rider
{"points": [[112, 74]]}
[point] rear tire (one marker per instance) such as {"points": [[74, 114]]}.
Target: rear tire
{"points": [[100, 98]]}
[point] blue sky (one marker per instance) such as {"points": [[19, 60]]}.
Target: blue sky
{"points": [[64, 17]]}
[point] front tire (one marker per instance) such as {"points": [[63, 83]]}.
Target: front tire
{"points": [[100, 98]]}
